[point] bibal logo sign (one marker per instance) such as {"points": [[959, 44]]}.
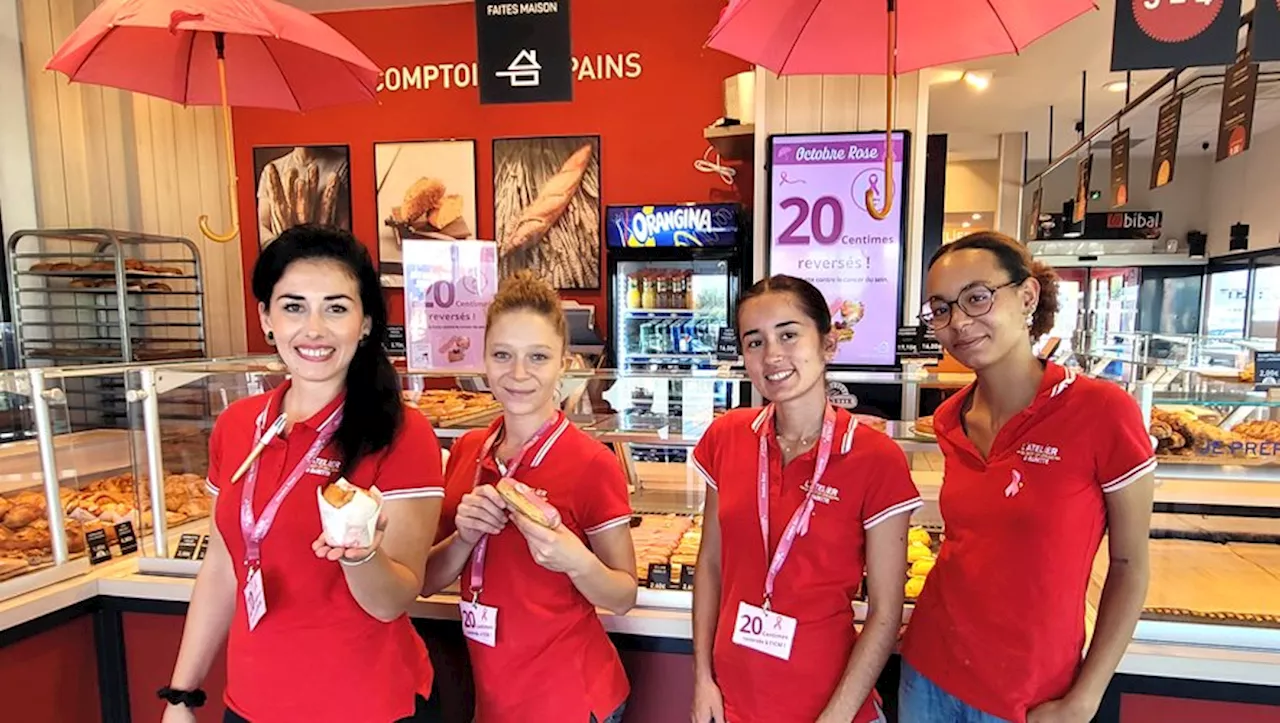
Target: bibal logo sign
{"points": [[1136, 220]]}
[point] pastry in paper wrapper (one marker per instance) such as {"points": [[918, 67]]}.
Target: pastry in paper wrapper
{"points": [[348, 514]]}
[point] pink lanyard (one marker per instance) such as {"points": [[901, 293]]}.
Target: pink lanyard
{"points": [[799, 524], [255, 532], [478, 555]]}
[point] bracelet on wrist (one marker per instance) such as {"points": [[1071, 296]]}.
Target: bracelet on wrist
{"points": [[190, 698], [357, 563]]}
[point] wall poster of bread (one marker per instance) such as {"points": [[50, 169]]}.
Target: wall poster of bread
{"points": [[301, 184], [546, 195], [425, 190]]}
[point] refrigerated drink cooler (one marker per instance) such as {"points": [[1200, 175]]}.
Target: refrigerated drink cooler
{"points": [[674, 276]]}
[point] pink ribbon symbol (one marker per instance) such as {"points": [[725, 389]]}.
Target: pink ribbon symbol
{"points": [[786, 180], [875, 185], [777, 623]]}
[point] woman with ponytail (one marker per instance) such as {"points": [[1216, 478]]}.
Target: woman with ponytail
{"points": [[1040, 462], [313, 632]]}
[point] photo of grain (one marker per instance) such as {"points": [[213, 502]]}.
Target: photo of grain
{"points": [[425, 190], [547, 208], [301, 184]]}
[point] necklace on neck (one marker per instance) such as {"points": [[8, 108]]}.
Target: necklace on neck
{"points": [[800, 443]]}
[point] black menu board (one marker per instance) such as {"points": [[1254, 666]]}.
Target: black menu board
{"points": [[1155, 34], [1266, 30], [1120, 169], [1239, 93], [1165, 154]]}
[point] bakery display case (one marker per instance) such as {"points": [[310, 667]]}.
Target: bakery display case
{"points": [[1215, 538]]}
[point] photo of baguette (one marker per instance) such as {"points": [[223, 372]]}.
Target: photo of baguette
{"points": [[547, 208], [301, 184], [425, 190]]}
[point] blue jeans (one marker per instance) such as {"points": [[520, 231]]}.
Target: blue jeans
{"points": [[921, 701], [614, 717]]}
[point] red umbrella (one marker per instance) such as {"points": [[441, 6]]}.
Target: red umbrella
{"points": [[838, 37], [256, 53]]}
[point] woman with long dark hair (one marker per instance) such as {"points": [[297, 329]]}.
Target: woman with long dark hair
{"points": [[314, 632], [801, 502], [1040, 462]]}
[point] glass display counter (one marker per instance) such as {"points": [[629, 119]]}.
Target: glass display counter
{"points": [[1215, 537]]}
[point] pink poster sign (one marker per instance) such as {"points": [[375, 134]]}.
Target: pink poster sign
{"points": [[448, 285]]}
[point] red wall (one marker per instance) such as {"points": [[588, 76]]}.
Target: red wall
{"points": [[650, 127], [52, 677], [151, 648], [1135, 708]]}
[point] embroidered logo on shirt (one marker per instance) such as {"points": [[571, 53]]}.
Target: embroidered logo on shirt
{"points": [[324, 467], [1015, 485], [1033, 453], [824, 494]]}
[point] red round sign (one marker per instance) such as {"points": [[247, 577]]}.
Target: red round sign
{"points": [[1174, 21]]}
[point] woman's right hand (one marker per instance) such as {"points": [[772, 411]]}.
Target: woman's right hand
{"points": [[480, 512], [708, 704], [178, 714]]}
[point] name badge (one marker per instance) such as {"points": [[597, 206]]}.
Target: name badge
{"points": [[479, 623], [255, 599], [764, 631]]}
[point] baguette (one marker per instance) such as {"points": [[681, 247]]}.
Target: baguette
{"points": [[310, 186], [292, 184], [275, 198], [550, 205], [329, 202]]}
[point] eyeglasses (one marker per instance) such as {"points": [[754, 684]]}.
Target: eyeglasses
{"points": [[975, 301]]}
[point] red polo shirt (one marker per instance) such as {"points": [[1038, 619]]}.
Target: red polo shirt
{"points": [[867, 482], [1001, 623], [313, 625], [553, 660]]}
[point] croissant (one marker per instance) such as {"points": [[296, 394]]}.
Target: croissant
{"points": [[549, 206]]}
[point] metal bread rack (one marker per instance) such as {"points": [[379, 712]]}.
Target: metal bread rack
{"points": [[97, 296]]}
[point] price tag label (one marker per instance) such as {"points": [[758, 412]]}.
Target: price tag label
{"points": [[479, 622], [686, 576], [187, 545], [727, 344], [126, 537], [659, 576], [99, 548], [204, 547], [764, 631], [1266, 372]]}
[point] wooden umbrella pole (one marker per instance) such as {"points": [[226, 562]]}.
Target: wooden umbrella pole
{"points": [[218, 41], [877, 213]]}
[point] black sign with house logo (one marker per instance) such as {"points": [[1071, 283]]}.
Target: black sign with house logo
{"points": [[524, 53], [1154, 34]]}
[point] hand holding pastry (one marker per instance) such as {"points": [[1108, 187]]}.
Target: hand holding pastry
{"points": [[326, 552], [480, 512], [555, 549]]}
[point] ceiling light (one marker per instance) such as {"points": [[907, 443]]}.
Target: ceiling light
{"points": [[966, 224], [977, 81], [977, 217], [1116, 86]]}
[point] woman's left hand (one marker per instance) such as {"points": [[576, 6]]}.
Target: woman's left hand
{"points": [[1063, 710], [557, 550], [325, 552]]}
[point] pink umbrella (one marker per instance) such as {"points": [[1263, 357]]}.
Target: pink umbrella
{"points": [[256, 53], [797, 37]]}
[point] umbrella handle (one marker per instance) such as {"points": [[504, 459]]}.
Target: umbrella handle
{"points": [[231, 156], [877, 213], [219, 238], [881, 214]]}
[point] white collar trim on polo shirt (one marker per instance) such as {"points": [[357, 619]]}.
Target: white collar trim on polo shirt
{"points": [[546, 446], [846, 442]]}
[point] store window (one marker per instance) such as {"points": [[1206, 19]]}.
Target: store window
{"points": [[1228, 297], [1264, 317]]}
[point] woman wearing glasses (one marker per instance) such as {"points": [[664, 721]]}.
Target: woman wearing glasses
{"points": [[1039, 463]]}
